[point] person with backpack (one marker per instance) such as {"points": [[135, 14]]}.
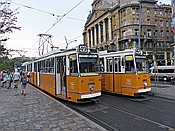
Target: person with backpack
{"points": [[23, 83]]}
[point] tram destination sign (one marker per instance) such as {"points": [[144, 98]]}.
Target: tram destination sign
{"points": [[83, 48], [143, 57], [89, 56]]}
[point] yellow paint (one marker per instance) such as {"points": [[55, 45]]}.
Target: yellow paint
{"points": [[75, 86], [125, 84]]}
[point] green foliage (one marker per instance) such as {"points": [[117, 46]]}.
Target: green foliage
{"points": [[6, 63]]}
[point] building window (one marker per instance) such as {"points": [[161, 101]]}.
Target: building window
{"points": [[166, 23], [156, 22], [114, 18], [134, 10], [161, 23], [155, 12], [124, 22], [161, 14], [167, 34], [115, 27], [166, 14], [136, 31], [161, 33], [123, 13], [135, 21], [156, 33], [148, 33], [123, 34], [148, 11], [148, 21]]}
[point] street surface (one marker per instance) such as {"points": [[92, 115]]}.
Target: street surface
{"points": [[153, 113]]}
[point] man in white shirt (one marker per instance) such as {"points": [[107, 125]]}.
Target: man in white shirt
{"points": [[16, 78]]}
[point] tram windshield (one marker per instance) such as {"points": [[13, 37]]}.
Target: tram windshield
{"points": [[141, 64], [88, 64]]}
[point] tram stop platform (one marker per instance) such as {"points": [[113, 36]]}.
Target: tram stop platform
{"points": [[38, 111]]}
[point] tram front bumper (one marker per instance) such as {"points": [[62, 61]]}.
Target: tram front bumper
{"points": [[90, 95], [144, 90]]}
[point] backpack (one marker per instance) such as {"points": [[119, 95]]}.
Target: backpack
{"points": [[24, 80]]}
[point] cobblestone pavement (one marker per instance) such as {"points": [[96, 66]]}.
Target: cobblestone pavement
{"points": [[39, 112]]}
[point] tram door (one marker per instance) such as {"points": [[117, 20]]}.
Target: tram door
{"points": [[110, 74], [61, 76], [117, 74]]}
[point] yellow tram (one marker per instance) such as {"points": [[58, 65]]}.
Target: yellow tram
{"points": [[68, 74], [125, 72]]}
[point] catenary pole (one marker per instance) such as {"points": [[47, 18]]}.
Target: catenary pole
{"points": [[140, 22]]}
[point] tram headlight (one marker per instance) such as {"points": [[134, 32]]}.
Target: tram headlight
{"points": [[92, 88]]}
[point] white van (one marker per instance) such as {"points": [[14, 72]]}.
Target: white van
{"points": [[163, 72]]}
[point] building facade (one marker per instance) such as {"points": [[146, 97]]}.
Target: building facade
{"points": [[123, 24]]}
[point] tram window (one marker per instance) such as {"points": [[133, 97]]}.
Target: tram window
{"points": [[35, 66], [88, 64], [129, 64], [117, 65], [42, 69], [142, 64], [109, 65], [73, 64]]}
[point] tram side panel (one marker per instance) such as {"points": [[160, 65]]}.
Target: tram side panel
{"points": [[126, 84], [107, 82], [32, 78], [47, 83], [83, 87]]}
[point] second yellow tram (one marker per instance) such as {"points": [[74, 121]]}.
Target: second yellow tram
{"points": [[125, 72]]}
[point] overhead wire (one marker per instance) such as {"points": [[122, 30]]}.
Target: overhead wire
{"points": [[57, 21], [29, 7], [64, 16], [43, 11]]}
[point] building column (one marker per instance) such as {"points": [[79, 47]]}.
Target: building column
{"points": [[88, 43], [109, 29], [99, 34], [104, 31], [91, 37], [95, 36]]}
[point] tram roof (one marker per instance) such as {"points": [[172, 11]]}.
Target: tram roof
{"points": [[106, 52], [63, 52]]}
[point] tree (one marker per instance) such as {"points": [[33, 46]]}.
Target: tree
{"points": [[8, 21]]}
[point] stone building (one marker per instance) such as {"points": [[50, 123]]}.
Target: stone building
{"points": [[117, 25]]}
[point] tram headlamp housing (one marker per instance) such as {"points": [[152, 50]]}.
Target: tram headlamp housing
{"points": [[92, 88], [145, 84]]}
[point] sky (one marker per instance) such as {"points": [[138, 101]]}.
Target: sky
{"points": [[38, 20]]}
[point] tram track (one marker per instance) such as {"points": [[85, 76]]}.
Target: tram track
{"points": [[152, 101], [110, 127], [93, 112], [143, 118], [89, 116]]}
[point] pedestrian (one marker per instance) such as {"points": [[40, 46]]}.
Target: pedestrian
{"points": [[23, 83], [8, 78], [16, 78], [4, 79]]}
